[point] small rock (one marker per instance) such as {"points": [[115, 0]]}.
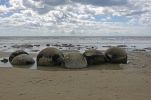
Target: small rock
{"points": [[47, 45], [139, 50], [23, 46], [67, 45], [122, 46], [34, 50], [4, 60], [78, 45], [133, 46], [56, 45], [149, 48], [108, 46], [36, 45]]}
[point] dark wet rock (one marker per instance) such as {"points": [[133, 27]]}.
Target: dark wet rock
{"points": [[133, 46], [64, 44], [23, 46], [4, 60], [75, 60], [91, 47], [94, 57], [122, 46], [149, 48], [36, 45], [78, 48], [23, 59], [16, 53], [139, 50], [50, 57], [107, 46], [116, 55], [47, 45], [56, 45], [68, 45], [34, 50]]}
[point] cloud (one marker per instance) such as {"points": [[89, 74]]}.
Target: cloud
{"points": [[102, 2], [78, 16]]}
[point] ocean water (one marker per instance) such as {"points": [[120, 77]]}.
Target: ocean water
{"points": [[80, 43]]}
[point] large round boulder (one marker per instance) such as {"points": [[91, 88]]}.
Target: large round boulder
{"points": [[23, 59], [116, 55], [50, 57], [16, 53], [94, 57], [75, 60]]}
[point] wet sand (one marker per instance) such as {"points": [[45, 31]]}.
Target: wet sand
{"points": [[105, 82]]}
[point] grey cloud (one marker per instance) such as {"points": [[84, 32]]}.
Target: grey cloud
{"points": [[133, 13], [54, 2], [92, 2], [47, 5], [41, 10], [102, 2]]}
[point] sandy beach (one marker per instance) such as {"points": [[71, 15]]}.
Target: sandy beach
{"points": [[104, 82], [75, 49]]}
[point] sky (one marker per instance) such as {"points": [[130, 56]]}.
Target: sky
{"points": [[75, 17]]}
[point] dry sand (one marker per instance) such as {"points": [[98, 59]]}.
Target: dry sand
{"points": [[131, 82]]}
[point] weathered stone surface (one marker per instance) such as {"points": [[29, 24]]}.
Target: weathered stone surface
{"points": [[16, 53], [94, 57], [23, 46], [116, 55], [50, 57], [75, 60], [22, 59]]}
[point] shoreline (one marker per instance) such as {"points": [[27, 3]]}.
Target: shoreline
{"points": [[137, 60], [103, 82]]}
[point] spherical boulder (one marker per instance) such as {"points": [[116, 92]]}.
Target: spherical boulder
{"points": [[116, 55], [23, 59], [16, 53], [94, 57], [50, 57], [75, 60]]}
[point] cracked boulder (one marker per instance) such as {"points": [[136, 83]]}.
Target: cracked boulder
{"points": [[22, 59], [94, 57], [75, 61], [50, 57], [16, 53], [116, 55]]}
